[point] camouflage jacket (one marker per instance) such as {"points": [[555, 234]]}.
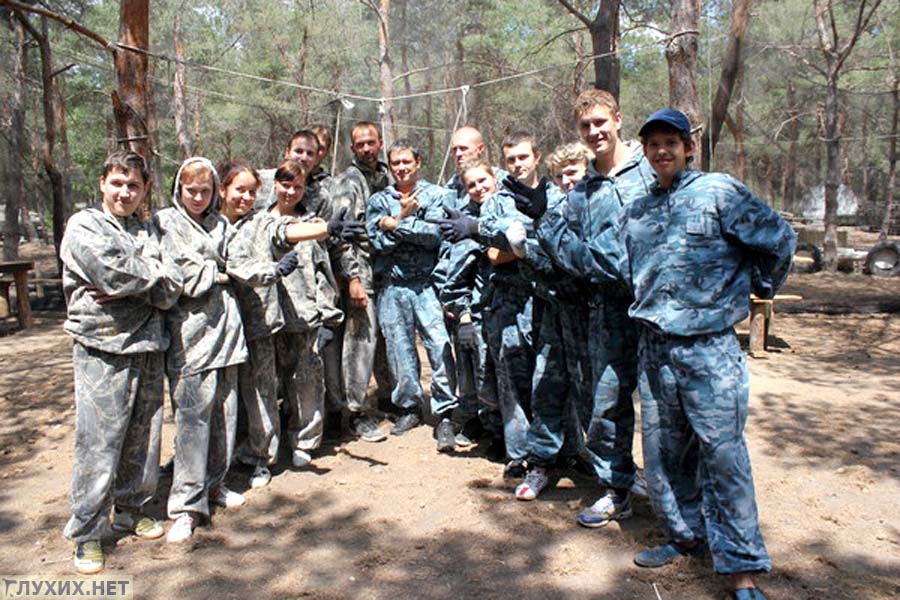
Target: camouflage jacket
{"points": [[692, 254], [205, 324], [466, 268], [500, 210], [251, 264], [122, 258], [410, 252]]}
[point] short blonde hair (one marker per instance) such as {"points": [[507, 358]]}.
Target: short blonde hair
{"points": [[573, 152], [476, 163], [197, 170], [589, 99]]}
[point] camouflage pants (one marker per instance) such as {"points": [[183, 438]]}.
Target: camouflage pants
{"points": [[259, 395], [118, 422], [350, 360], [477, 381], [404, 310], [205, 423], [508, 325], [300, 373], [561, 382], [694, 398], [612, 345]]}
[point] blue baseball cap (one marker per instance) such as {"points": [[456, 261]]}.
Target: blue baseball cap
{"points": [[669, 116]]}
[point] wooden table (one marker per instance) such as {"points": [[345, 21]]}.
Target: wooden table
{"points": [[19, 270]]}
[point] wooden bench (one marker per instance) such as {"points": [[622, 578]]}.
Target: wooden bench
{"points": [[761, 314], [19, 270]]}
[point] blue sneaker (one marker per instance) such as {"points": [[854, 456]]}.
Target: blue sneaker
{"points": [[747, 594], [610, 507], [665, 554]]}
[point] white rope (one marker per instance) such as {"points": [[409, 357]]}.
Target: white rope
{"points": [[462, 107], [336, 137]]}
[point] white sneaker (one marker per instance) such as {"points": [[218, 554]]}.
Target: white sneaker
{"points": [[535, 481], [182, 529], [301, 458], [222, 496], [260, 478]]}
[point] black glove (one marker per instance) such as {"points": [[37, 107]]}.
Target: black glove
{"points": [[287, 264], [341, 229], [324, 338], [467, 337], [457, 226], [530, 201]]}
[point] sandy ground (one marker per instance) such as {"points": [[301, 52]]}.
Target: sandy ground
{"points": [[398, 520]]}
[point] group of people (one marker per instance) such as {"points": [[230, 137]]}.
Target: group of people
{"points": [[541, 307]]}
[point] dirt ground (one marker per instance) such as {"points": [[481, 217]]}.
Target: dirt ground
{"points": [[398, 520]]}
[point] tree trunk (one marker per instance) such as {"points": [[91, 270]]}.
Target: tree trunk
{"points": [[385, 72], [886, 222], [831, 134], [605, 42], [731, 68], [15, 183], [789, 180], [681, 56], [404, 62], [736, 127], [182, 135]]}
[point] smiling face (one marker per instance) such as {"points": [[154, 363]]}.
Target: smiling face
{"points": [[667, 153], [522, 162], [123, 192], [197, 191], [599, 129], [239, 195], [405, 168], [289, 193], [304, 150], [480, 183], [569, 174]]}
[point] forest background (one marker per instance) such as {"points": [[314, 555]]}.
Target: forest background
{"points": [[800, 97]]}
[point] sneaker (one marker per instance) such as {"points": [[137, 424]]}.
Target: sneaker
{"points": [[366, 428], [608, 508], [222, 496], [535, 481], [300, 458], [260, 477], [445, 437], [168, 468], [88, 558], [462, 440], [515, 469], [665, 554], [496, 452], [182, 529], [639, 487], [142, 526], [406, 422]]}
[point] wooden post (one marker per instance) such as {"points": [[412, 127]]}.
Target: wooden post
{"points": [[758, 309]]}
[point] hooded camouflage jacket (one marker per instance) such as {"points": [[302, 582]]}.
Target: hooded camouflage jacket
{"points": [[466, 266], [251, 264], [117, 257], [205, 324]]}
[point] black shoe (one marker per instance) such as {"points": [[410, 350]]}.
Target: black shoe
{"points": [[473, 429], [406, 422], [333, 429], [365, 427], [168, 468], [445, 435], [496, 452], [515, 469]]}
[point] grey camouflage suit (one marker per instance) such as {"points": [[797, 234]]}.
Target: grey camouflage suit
{"points": [[251, 265], [118, 362], [207, 346], [308, 300], [358, 348], [691, 256]]}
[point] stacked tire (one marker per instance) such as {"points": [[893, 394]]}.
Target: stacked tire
{"points": [[883, 260]]}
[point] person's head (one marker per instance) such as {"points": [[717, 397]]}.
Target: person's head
{"points": [[304, 148], [290, 183], [405, 160], [466, 144], [366, 143], [124, 183], [521, 157], [196, 186], [237, 187], [568, 164], [478, 177], [323, 136], [668, 146], [599, 120]]}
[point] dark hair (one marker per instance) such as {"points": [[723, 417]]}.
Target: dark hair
{"points": [[322, 133], [666, 128], [289, 170], [304, 133], [126, 160], [520, 137], [404, 144], [360, 125], [229, 169]]}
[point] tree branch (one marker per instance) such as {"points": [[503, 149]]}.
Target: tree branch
{"points": [[576, 13], [69, 23]]}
